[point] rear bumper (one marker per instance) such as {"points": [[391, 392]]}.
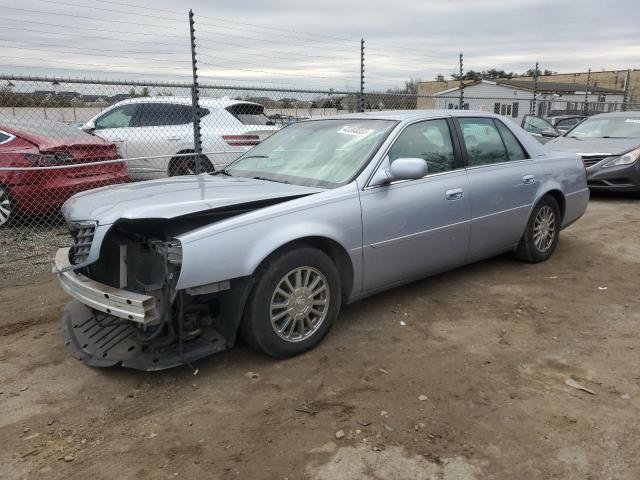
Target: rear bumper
{"points": [[104, 298]]}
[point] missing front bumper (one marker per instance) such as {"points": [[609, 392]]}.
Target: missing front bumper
{"points": [[105, 341], [104, 298]]}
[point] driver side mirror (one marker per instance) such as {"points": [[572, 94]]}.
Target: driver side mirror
{"points": [[401, 169], [89, 126]]}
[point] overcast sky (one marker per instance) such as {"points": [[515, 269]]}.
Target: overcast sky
{"points": [[314, 43]]}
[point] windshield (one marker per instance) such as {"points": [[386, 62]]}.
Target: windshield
{"points": [[607, 127], [321, 153]]}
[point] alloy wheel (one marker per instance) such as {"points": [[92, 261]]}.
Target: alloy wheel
{"points": [[299, 304], [5, 207], [544, 229]]}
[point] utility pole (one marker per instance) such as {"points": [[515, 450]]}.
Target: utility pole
{"points": [[195, 103], [535, 90], [585, 109], [361, 95], [461, 103]]}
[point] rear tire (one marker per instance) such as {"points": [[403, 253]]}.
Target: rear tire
{"points": [[7, 207], [540, 238], [187, 166], [295, 300]]}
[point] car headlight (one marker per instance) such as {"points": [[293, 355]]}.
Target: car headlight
{"points": [[626, 159]]}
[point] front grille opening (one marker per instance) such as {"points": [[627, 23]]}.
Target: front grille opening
{"points": [[83, 236]]}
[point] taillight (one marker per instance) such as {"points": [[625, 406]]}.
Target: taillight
{"points": [[44, 159], [241, 140]]}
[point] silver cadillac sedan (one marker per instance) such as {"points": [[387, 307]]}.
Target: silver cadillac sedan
{"points": [[322, 213]]}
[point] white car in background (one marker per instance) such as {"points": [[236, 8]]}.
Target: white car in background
{"points": [[162, 126]]}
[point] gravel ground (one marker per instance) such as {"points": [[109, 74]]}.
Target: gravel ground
{"points": [[465, 376], [26, 251]]}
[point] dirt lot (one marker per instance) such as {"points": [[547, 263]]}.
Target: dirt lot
{"points": [[457, 377]]}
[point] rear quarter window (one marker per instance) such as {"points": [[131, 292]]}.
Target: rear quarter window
{"points": [[5, 137], [249, 113]]}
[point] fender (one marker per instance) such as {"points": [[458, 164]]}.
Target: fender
{"points": [[235, 248]]}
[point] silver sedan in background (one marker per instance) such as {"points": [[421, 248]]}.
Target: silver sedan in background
{"points": [[322, 213]]}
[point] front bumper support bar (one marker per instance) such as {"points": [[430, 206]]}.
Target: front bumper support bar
{"points": [[120, 303]]}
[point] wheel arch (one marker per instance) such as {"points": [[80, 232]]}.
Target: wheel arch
{"points": [[334, 250], [560, 199]]}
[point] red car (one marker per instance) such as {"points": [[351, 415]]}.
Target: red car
{"points": [[44, 143]]}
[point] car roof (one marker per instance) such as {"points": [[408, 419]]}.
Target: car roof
{"points": [[408, 115], [207, 102], [628, 114]]}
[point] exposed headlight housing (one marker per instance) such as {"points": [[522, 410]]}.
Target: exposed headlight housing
{"points": [[626, 159], [174, 252]]}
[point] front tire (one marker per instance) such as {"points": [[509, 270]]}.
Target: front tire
{"points": [[293, 304], [540, 238]]}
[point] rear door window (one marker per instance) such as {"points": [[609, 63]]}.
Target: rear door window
{"points": [[482, 141], [161, 114], [249, 113], [514, 149]]}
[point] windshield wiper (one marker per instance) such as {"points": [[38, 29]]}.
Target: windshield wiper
{"points": [[269, 180], [256, 156], [222, 172]]}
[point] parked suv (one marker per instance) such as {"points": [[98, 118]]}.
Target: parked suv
{"points": [[161, 128]]}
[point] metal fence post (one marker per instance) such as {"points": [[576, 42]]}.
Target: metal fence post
{"points": [[197, 139], [585, 109], [625, 97], [535, 91], [361, 95], [461, 102]]}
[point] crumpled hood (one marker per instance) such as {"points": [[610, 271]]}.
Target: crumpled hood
{"points": [[173, 197], [593, 146]]}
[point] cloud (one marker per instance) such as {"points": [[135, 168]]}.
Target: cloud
{"points": [[312, 43]]}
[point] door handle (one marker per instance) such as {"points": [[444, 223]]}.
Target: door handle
{"points": [[454, 194], [528, 179]]}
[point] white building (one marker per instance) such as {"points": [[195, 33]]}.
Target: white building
{"points": [[514, 98]]}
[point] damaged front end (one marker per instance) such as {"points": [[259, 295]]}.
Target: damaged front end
{"points": [[126, 308]]}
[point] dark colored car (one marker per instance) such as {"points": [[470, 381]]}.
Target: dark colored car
{"points": [[609, 145], [545, 129], [564, 123], [28, 190]]}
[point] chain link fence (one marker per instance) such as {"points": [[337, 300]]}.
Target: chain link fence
{"points": [[60, 137]]}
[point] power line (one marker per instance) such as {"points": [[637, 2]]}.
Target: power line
{"points": [[218, 58], [49, 60], [87, 36], [324, 48], [234, 21], [137, 24], [100, 55], [284, 35], [288, 57], [75, 27], [268, 72], [100, 50], [110, 10], [88, 71]]}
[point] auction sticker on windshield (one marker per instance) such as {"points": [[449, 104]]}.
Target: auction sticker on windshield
{"points": [[358, 132]]}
